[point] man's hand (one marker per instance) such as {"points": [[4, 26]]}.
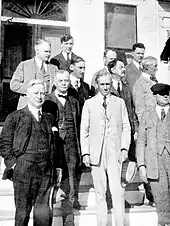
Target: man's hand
{"points": [[123, 156], [86, 160], [143, 174]]}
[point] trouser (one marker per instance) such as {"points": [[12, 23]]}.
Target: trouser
{"points": [[109, 165], [148, 192], [71, 175], [31, 183], [161, 189]]}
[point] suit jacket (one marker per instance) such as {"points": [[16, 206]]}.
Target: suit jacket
{"points": [[84, 92], [126, 95], [92, 126], [142, 96], [51, 103], [132, 74], [25, 72], [16, 134], [146, 148], [61, 62]]}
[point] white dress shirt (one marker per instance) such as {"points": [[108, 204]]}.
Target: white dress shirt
{"points": [[159, 109], [34, 111], [65, 55], [136, 64], [39, 63], [61, 99], [75, 82], [115, 83]]}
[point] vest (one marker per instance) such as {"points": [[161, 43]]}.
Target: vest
{"points": [[38, 146], [163, 134], [66, 120]]}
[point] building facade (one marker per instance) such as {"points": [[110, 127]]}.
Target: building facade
{"points": [[94, 24]]}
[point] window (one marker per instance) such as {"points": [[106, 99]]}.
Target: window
{"points": [[120, 26]]}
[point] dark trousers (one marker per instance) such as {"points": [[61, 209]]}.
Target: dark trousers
{"points": [[31, 183], [70, 176]]}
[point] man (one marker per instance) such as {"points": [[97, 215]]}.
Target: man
{"points": [[120, 88], [79, 89], [105, 139], [68, 118], [35, 68], [64, 58], [133, 70], [142, 95], [26, 141], [144, 99], [109, 55], [153, 151]]}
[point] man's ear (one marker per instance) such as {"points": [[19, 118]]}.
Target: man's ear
{"points": [[71, 67]]}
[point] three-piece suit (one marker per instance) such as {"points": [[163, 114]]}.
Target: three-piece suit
{"points": [[68, 120], [103, 134], [132, 74], [28, 143], [24, 73], [153, 152]]}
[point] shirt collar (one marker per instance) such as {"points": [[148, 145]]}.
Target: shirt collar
{"points": [[146, 75], [40, 62], [34, 110], [58, 93], [159, 108]]}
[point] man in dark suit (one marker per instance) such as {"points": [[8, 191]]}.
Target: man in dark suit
{"points": [[36, 68], [63, 59], [68, 119], [26, 146], [78, 88], [120, 88], [133, 70]]}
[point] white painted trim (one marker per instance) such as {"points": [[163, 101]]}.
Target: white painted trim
{"points": [[125, 2], [35, 21]]}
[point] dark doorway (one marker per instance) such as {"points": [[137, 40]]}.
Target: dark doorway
{"points": [[17, 47]]}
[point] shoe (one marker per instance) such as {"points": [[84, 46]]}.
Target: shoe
{"points": [[152, 204]]}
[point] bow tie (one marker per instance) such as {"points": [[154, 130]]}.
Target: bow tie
{"points": [[63, 96]]}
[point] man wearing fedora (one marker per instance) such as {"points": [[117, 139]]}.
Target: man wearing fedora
{"points": [[105, 140], [153, 151]]}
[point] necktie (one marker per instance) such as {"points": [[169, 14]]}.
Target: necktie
{"points": [[68, 59], [104, 102], [118, 87], [39, 115], [42, 68], [162, 114], [63, 96]]}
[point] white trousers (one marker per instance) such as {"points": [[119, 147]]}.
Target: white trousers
{"points": [[109, 164]]}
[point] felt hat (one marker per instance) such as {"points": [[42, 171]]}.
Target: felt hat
{"points": [[161, 89]]}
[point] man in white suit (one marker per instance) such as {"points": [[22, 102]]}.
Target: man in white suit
{"points": [[105, 139]]}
